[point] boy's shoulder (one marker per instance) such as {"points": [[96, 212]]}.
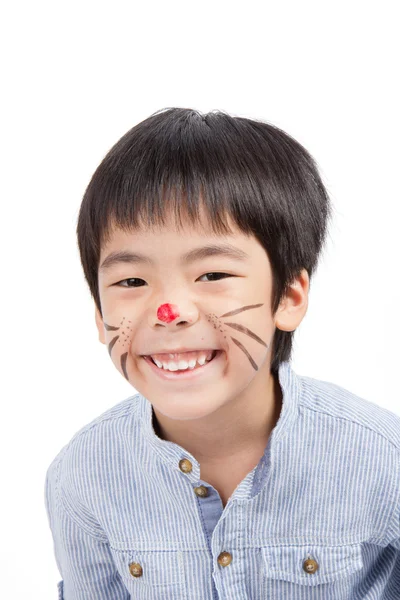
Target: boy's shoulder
{"points": [[339, 403], [100, 429], [86, 458]]}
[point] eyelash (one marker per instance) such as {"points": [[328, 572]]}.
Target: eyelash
{"points": [[138, 279]]}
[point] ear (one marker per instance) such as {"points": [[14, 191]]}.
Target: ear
{"points": [[100, 326], [294, 306]]}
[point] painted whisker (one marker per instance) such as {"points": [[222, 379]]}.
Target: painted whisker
{"points": [[110, 327], [111, 344], [123, 364], [239, 310], [247, 332], [253, 364]]}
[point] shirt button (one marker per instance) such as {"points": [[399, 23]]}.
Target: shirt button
{"points": [[201, 491], [224, 559], [136, 569], [185, 465], [310, 565]]}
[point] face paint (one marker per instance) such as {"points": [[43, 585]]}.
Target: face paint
{"points": [[123, 364], [113, 342], [243, 330], [167, 312]]}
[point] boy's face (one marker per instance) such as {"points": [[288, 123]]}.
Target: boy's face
{"points": [[173, 304]]}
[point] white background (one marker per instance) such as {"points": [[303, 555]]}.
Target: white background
{"points": [[75, 77]]}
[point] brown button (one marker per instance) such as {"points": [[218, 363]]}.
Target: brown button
{"points": [[224, 559], [310, 565], [136, 569], [201, 491], [185, 465]]}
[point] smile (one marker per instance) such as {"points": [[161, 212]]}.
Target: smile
{"points": [[189, 373]]}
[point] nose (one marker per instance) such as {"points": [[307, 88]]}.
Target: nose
{"points": [[171, 313], [167, 312]]}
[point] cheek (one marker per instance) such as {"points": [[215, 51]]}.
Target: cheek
{"points": [[118, 340], [244, 332]]}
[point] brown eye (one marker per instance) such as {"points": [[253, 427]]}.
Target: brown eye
{"points": [[130, 279], [222, 274]]}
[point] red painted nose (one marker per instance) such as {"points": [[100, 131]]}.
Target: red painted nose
{"points": [[167, 312]]}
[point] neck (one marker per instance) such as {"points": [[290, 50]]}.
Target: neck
{"points": [[235, 430]]}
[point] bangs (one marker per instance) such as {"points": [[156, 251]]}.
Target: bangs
{"points": [[198, 172], [199, 209]]}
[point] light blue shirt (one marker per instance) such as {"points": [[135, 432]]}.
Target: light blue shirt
{"points": [[317, 518]]}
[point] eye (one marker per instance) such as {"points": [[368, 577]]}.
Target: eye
{"points": [[130, 279], [212, 273]]}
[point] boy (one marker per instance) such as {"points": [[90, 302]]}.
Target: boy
{"points": [[227, 476]]}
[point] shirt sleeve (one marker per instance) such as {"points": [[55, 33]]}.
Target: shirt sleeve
{"points": [[395, 524], [85, 562]]}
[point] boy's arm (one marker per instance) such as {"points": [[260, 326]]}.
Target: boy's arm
{"points": [[85, 562]]}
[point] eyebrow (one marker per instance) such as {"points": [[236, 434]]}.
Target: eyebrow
{"points": [[196, 254]]}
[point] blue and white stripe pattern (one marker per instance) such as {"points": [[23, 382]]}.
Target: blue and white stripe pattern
{"points": [[126, 522]]}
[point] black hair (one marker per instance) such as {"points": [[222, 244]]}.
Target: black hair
{"points": [[248, 169]]}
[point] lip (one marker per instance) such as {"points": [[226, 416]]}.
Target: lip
{"points": [[185, 375]]}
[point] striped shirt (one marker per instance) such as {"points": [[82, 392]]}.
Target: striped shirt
{"points": [[317, 518]]}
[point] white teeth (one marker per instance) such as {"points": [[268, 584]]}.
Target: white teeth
{"points": [[183, 364]]}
